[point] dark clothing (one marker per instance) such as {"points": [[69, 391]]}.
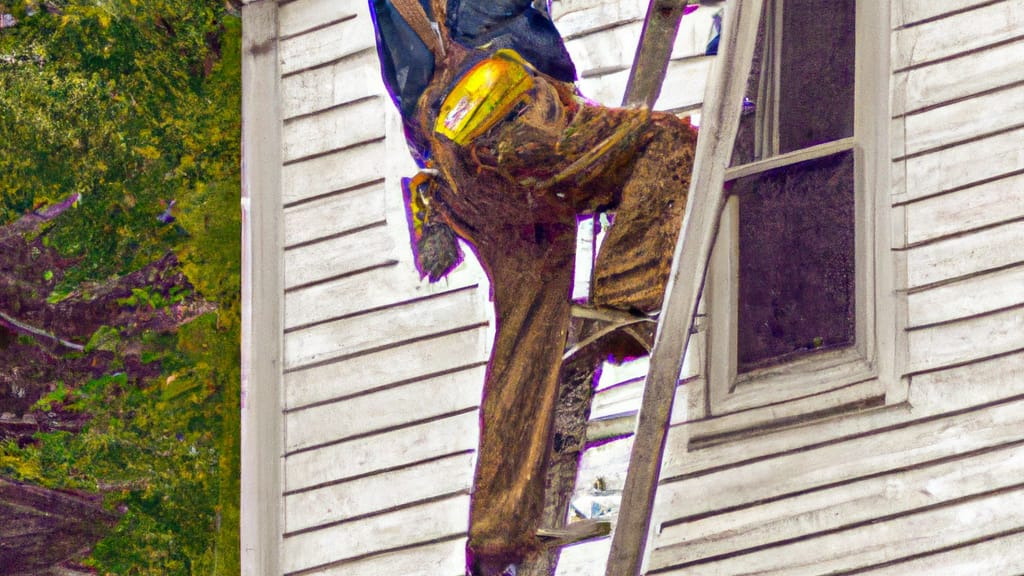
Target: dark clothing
{"points": [[406, 62], [514, 25]]}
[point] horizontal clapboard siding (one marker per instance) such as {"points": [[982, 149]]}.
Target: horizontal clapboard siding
{"points": [[855, 549], [581, 559], [963, 165], [386, 451], [855, 503], [339, 171], [622, 398], [579, 17], [892, 465], [957, 78], [907, 13], [429, 522], [965, 120], [993, 556], [863, 493], [961, 188], [342, 82], [403, 362], [443, 558], [333, 215], [337, 128], [363, 497], [304, 15], [324, 45], [602, 48], [964, 387], [987, 24], [967, 339], [837, 463], [963, 255], [373, 288], [392, 407], [1002, 289], [378, 329], [337, 256], [382, 371], [605, 465], [682, 90], [966, 210]]}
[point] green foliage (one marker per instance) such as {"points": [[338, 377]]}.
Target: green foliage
{"points": [[134, 104], [149, 297], [58, 295], [104, 338], [213, 266], [166, 454], [56, 397], [131, 104], [14, 463]]}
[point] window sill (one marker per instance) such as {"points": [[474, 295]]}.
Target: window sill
{"points": [[842, 397], [805, 377]]}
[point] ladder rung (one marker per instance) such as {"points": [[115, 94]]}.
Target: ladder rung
{"points": [[574, 532], [612, 427], [611, 315]]}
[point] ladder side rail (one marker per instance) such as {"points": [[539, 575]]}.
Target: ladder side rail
{"points": [[653, 51]]}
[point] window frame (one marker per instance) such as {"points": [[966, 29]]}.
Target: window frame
{"points": [[832, 381]]}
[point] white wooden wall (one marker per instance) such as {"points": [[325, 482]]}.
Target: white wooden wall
{"points": [[602, 36], [380, 376], [380, 373], [931, 485]]}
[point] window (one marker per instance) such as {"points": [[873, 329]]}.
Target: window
{"points": [[798, 280]]}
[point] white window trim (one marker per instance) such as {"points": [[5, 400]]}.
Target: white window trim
{"points": [[724, 404]]}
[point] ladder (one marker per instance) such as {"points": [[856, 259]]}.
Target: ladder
{"points": [[661, 26], [720, 120]]}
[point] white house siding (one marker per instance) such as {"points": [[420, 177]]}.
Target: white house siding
{"points": [[381, 372], [931, 485]]}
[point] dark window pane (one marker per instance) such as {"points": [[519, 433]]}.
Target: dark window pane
{"points": [[807, 68], [745, 149], [816, 79], [796, 260]]}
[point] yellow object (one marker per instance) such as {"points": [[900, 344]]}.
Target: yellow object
{"points": [[483, 96], [417, 203]]}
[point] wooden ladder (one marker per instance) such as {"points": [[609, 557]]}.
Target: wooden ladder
{"points": [[647, 74], [719, 123], [720, 120]]}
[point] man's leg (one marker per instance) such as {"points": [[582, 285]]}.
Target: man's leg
{"points": [[636, 256], [532, 283]]}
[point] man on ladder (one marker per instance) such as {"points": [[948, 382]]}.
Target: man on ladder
{"points": [[512, 155]]}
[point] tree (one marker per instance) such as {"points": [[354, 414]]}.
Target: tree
{"points": [[132, 108]]}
